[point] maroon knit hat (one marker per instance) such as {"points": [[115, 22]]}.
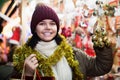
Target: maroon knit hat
{"points": [[43, 12]]}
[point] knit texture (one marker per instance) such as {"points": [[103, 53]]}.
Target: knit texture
{"points": [[43, 12]]}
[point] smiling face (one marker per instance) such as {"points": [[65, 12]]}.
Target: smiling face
{"points": [[46, 30]]}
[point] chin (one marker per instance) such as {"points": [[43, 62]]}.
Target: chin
{"points": [[47, 40]]}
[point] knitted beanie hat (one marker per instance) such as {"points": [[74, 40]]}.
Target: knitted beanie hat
{"points": [[43, 12]]}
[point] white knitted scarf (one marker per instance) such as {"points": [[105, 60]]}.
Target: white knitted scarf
{"points": [[62, 70]]}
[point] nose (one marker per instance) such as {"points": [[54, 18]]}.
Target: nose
{"points": [[48, 26]]}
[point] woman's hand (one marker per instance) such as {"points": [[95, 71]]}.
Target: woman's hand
{"points": [[31, 63]]}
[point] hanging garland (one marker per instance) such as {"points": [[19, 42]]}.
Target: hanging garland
{"points": [[45, 63]]}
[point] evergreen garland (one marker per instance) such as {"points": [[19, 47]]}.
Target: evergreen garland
{"points": [[45, 64]]}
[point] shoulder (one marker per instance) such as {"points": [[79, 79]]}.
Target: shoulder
{"points": [[22, 48], [78, 51], [81, 56]]}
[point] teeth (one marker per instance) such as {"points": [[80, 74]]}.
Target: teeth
{"points": [[47, 34]]}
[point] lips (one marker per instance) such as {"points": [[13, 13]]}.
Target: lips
{"points": [[47, 33]]}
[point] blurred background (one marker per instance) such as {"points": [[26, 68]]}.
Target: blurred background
{"points": [[79, 19]]}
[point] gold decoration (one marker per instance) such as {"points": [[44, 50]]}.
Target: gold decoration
{"points": [[100, 38], [45, 64]]}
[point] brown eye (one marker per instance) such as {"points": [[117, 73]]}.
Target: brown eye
{"points": [[52, 23], [41, 23]]}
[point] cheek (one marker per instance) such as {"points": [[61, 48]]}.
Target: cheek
{"points": [[55, 29], [38, 29]]}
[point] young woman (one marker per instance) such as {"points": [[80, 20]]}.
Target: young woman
{"points": [[48, 54]]}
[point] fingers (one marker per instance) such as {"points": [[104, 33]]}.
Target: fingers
{"points": [[34, 61], [31, 61], [31, 56]]}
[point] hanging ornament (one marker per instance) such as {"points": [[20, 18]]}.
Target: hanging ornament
{"points": [[100, 38], [109, 10]]}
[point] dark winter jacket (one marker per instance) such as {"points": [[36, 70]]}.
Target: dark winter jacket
{"points": [[94, 66], [99, 65]]}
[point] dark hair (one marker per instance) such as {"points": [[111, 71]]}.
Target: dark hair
{"points": [[34, 40], [42, 12]]}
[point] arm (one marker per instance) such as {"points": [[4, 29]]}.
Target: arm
{"points": [[95, 66]]}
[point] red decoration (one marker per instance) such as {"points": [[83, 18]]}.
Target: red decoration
{"points": [[78, 41], [66, 31], [16, 35]]}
